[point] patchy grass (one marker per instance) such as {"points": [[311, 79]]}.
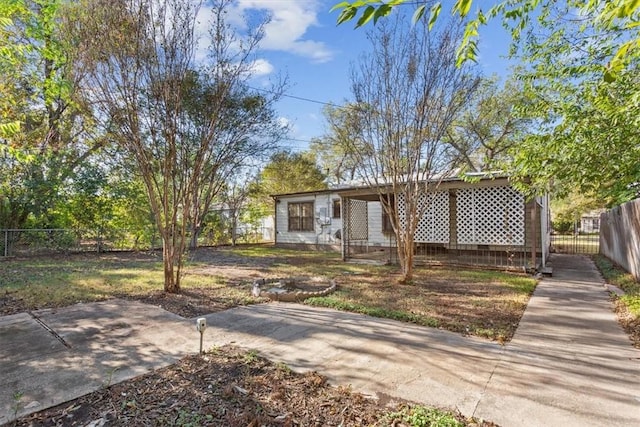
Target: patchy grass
{"points": [[483, 303], [338, 302], [420, 416], [474, 302], [31, 284], [627, 305], [625, 281]]}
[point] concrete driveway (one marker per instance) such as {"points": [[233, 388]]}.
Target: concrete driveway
{"points": [[568, 364]]}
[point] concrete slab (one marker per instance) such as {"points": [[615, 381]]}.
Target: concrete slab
{"points": [[376, 356], [107, 342], [569, 364]]}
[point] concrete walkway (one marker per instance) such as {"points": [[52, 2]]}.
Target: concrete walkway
{"points": [[569, 363]]}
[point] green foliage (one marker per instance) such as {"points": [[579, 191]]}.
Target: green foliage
{"points": [[586, 137], [481, 138], [290, 173], [420, 416], [516, 16], [215, 228], [17, 402], [189, 419], [251, 356], [567, 211], [334, 150], [331, 301], [285, 173], [284, 368], [625, 281], [45, 129]]}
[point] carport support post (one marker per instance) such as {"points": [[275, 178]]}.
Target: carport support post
{"points": [[344, 206], [533, 234]]}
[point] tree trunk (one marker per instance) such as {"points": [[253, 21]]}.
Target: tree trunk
{"points": [[171, 268], [234, 224], [195, 233], [405, 257]]}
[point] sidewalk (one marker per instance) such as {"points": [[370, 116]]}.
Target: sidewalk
{"points": [[569, 363]]}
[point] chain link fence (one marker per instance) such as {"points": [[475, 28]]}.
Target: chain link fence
{"points": [[30, 242], [34, 242]]}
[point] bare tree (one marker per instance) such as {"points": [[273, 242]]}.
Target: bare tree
{"points": [[149, 89], [408, 91], [247, 131]]}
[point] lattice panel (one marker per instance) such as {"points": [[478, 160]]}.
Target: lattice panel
{"points": [[402, 211], [358, 221], [434, 224], [433, 227], [490, 216]]}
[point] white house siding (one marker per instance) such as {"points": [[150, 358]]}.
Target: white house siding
{"points": [[325, 227], [376, 236]]}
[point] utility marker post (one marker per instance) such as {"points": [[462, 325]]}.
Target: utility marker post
{"points": [[201, 325]]}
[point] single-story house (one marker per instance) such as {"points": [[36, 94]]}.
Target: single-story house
{"points": [[590, 221], [484, 222]]}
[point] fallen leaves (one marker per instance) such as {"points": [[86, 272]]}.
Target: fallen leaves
{"points": [[221, 388]]}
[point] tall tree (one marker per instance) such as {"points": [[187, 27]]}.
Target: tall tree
{"points": [[586, 129], [489, 128], [143, 56], [409, 92], [46, 126], [247, 131], [286, 173], [332, 149]]}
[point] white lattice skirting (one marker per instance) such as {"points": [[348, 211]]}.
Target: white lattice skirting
{"points": [[490, 216]]}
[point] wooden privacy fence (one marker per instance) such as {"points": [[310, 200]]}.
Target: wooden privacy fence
{"points": [[620, 236]]}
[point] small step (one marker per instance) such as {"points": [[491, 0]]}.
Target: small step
{"points": [[546, 271]]}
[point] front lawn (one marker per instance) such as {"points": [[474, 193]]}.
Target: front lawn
{"points": [[474, 302], [482, 303]]}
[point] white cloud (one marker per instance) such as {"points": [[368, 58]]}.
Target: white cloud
{"points": [[290, 20], [261, 67], [285, 122]]}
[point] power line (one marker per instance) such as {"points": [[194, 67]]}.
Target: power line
{"points": [[298, 140], [300, 98]]}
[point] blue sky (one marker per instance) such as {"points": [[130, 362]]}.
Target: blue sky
{"points": [[303, 42]]}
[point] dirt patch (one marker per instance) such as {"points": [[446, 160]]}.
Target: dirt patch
{"points": [[227, 387], [195, 302]]}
